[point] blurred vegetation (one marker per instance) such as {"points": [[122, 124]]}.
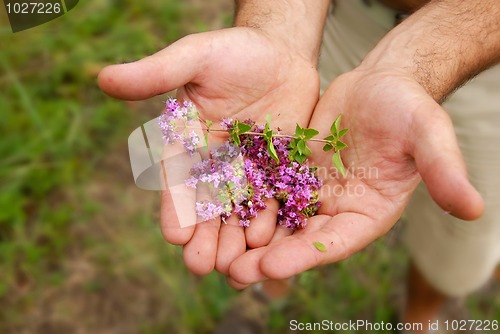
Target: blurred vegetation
{"points": [[80, 250]]}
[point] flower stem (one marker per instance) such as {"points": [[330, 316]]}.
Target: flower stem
{"points": [[258, 134]]}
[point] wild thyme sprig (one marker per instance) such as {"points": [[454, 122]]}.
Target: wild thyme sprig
{"points": [[298, 149], [255, 163]]}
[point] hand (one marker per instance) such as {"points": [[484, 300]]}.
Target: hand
{"points": [[241, 73], [398, 135]]}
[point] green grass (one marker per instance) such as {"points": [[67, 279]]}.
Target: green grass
{"points": [[80, 248], [57, 128]]}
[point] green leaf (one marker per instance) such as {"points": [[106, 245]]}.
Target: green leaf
{"points": [[192, 116], [222, 196], [340, 145], [319, 246], [337, 123], [329, 138], [300, 158], [268, 119], [206, 140], [307, 151], [267, 129], [236, 138], [298, 131], [243, 127], [209, 123], [335, 128], [343, 132], [272, 151], [268, 135], [301, 146], [310, 133], [337, 162], [327, 147]]}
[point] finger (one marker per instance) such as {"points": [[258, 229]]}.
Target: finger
{"points": [[246, 268], [200, 252], [162, 72], [262, 227], [280, 232], [251, 273], [297, 253], [441, 165], [177, 213], [235, 285], [231, 244], [170, 226], [341, 235]]}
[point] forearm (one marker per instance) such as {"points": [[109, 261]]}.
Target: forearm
{"points": [[298, 23], [443, 44]]}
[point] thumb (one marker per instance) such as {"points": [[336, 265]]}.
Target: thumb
{"points": [[162, 72], [441, 165]]}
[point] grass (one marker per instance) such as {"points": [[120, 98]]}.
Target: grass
{"points": [[58, 128], [80, 248]]}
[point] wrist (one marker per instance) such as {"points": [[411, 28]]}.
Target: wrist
{"points": [[296, 24], [403, 54], [442, 45]]}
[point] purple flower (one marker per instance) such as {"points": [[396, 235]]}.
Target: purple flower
{"points": [[190, 142], [174, 121], [242, 178], [207, 210], [227, 123], [291, 183]]}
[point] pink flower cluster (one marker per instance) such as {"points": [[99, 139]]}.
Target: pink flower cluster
{"points": [[240, 178], [224, 176], [175, 121], [294, 185]]}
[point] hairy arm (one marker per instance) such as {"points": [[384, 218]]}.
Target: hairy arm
{"points": [[298, 23], [443, 44]]}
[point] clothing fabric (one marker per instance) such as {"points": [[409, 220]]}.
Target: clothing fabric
{"points": [[457, 257]]}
